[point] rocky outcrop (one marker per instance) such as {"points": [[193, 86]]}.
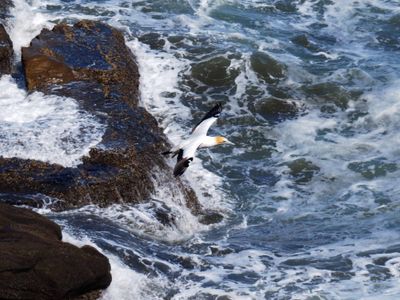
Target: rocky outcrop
{"points": [[91, 63], [6, 52], [36, 264]]}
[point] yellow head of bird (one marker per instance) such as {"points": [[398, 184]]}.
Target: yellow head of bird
{"points": [[221, 140]]}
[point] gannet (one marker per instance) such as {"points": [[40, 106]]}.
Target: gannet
{"points": [[197, 139]]}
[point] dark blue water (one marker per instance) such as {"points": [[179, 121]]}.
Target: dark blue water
{"points": [[310, 192]]}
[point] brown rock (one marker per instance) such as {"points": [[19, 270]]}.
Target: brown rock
{"points": [[91, 63], [36, 264], [6, 52]]}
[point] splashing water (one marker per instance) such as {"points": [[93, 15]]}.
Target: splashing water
{"points": [[309, 193]]}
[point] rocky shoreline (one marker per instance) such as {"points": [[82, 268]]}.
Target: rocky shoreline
{"points": [[89, 62], [36, 264]]}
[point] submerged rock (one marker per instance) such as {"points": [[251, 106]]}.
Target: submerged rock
{"points": [[153, 39], [302, 170], [91, 63], [266, 67], [274, 110], [6, 52], [374, 168], [215, 72], [36, 264], [330, 96]]}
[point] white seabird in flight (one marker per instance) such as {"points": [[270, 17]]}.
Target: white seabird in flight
{"points": [[198, 139]]}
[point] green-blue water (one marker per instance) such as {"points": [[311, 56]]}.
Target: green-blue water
{"points": [[310, 192]]}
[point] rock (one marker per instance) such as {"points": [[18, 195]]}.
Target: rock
{"points": [[36, 264], [215, 72], [286, 6], [330, 96], [6, 52], [91, 63], [302, 170], [274, 110], [208, 217], [267, 68], [374, 168], [153, 39]]}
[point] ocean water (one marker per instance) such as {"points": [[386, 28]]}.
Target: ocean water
{"points": [[310, 192]]}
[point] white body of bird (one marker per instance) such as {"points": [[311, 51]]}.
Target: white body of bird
{"points": [[198, 139]]}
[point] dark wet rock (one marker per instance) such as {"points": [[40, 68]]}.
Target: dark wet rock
{"points": [[337, 263], [373, 168], [381, 261], [267, 68], [6, 52], [302, 170], [176, 39], [215, 72], [274, 110], [208, 217], [286, 6], [217, 251], [330, 96], [154, 40], [301, 40], [338, 276], [388, 250], [91, 63], [36, 264], [378, 273]]}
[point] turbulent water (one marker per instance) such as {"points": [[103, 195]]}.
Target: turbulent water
{"points": [[310, 192]]}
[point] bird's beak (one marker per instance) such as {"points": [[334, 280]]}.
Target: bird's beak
{"points": [[229, 142]]}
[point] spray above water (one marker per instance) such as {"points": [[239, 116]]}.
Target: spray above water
{"points": [[47, 128]]}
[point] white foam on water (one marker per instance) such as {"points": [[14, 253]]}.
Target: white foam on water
{"points": [[126, 284], [44, 127], [27, 22], [160, 75], [376, 136]]}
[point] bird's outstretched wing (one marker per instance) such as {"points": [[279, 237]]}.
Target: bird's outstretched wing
{"points": [[202, 127]]}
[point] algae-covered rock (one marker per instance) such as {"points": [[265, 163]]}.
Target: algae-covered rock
{"points": [[267, 68], [275, 110], [302, 170], [330, 95], [373, 168], [215, 72]]}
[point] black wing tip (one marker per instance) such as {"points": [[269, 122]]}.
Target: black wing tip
{"points": [[166, 153], [214, 112], [181, 166]]}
